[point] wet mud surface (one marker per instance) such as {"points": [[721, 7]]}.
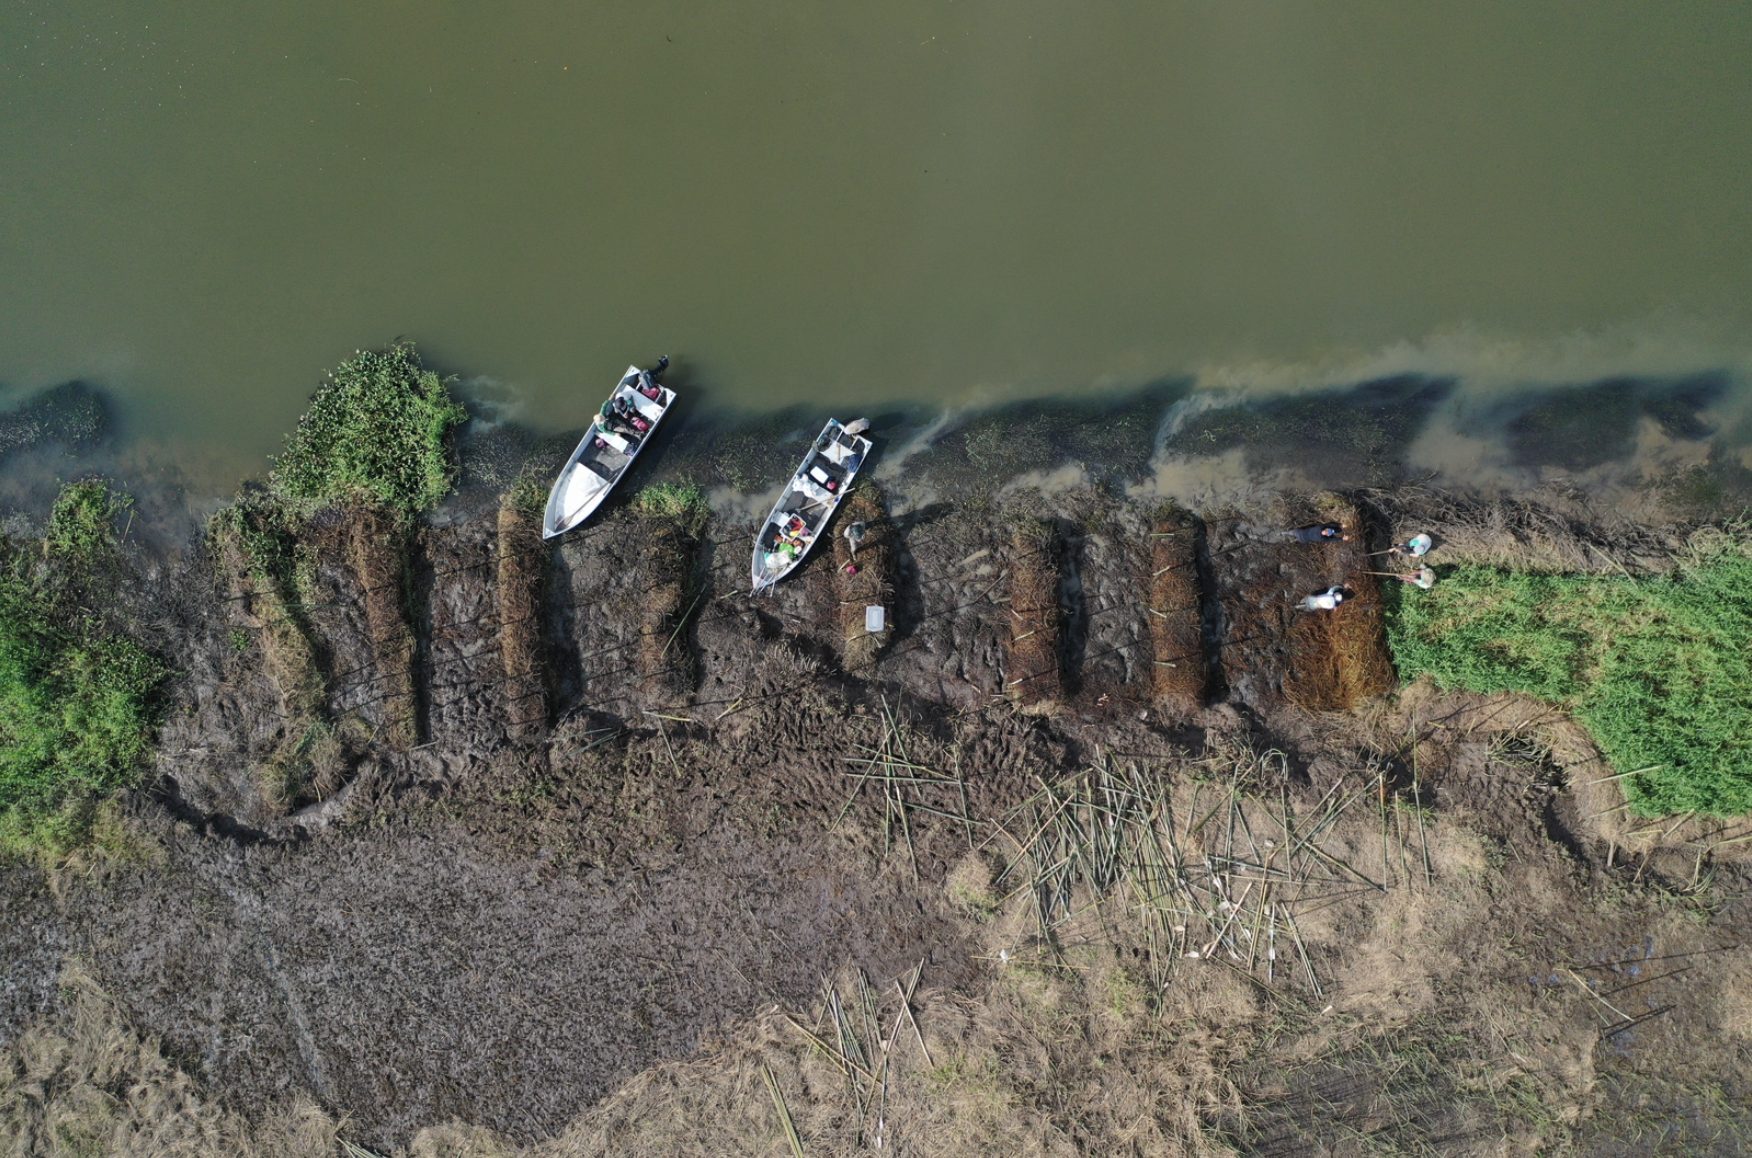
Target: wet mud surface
{"points": [[417, 976]]}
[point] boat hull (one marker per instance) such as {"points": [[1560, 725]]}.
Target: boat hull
{"points": [[601, 460], [807, 504]]}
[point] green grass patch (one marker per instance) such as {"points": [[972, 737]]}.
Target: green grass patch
{"points": [[377, 431], [528, 496], [77, 700], [1657, 669], [683, 502]]}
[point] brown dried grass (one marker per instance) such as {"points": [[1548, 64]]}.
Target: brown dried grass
{"points": [[873, 585], [521, 572], [1024, 1068], [91, 1085], [1032, 676], [1601, 812], [311, 764], [377, 546], [1523, 535], [1179, 670]]}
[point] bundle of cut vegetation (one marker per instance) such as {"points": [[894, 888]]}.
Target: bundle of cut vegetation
{"points": [[259, 555], [522, 571], [378, 549], [910, 788], [1655, 667], [268, 573], [1032, 675], [1339, 658], [77, 697], [1193, 869], [1176, 614], [377, 433], [870, 582], [1522, 535], [673, 517], [376, 441]]}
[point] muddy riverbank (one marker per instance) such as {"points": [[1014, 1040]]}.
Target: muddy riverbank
{"points": [[483, 830]]}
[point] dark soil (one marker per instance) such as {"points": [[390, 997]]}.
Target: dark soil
{"points": [[422, 973]]}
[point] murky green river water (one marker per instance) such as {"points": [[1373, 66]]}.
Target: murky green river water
{"points": [[204, 204]]}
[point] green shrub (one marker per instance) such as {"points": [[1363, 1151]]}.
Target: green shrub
{"points": [[377, 431], [82, 522], [1658, 669], [76, 716]]}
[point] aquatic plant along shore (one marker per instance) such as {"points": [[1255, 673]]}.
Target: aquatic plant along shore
{"points": [[428, 836]]}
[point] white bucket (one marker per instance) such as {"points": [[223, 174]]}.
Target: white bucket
{"points": [[875, 618]]}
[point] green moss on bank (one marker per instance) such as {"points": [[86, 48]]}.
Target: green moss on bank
{"points": [[77, 702], [1656, 668]]}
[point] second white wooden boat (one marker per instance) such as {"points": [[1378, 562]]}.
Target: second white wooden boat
{"points": [[809, 501]]}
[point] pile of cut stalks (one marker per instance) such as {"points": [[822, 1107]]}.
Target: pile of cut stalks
{"points": [[1199, 870]]}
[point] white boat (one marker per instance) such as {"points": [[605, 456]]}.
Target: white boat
{"points": [[608, 449], [809, 501]]}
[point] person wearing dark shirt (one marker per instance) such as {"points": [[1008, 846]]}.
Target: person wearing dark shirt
{"points": [[1320, 533]]}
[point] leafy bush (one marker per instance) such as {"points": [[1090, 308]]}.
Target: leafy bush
{"points": [[1657, 669], [377, 431], [76, 704], [82, 521]]}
